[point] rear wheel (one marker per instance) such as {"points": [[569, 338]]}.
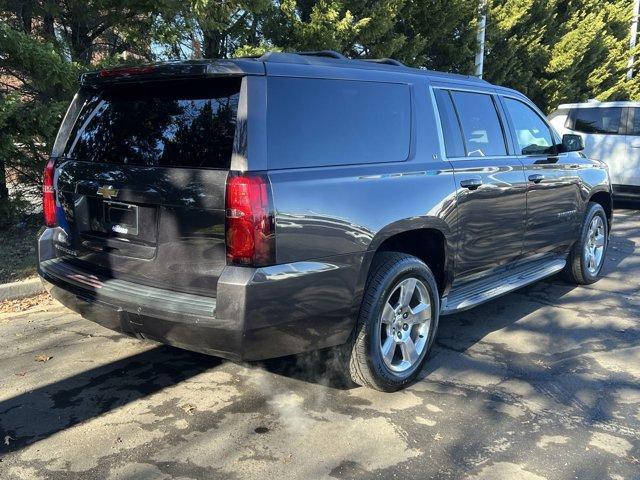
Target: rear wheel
{"points": [[586, 259], [397, 323]]}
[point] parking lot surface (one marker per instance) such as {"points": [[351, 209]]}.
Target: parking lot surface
{"points": [[541, 383]]}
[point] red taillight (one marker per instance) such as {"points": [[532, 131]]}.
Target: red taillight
{"points": [[49, 195], [250, 234], [126, 71]]}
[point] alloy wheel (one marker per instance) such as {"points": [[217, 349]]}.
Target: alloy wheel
{"points": [[595, 245], [405, 325]]}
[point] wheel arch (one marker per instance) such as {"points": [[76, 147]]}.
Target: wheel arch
{"points": [[604, 198], [430, 239]]}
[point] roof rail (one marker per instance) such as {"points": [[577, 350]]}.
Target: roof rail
{"points": [[386, 61], [323, 53], [335, 59]]}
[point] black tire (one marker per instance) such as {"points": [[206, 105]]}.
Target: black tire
{"points": [[365, 361], [576, 271]]}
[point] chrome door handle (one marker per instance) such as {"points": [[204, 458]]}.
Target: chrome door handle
{"points": [[536, 178], [471, 183]]}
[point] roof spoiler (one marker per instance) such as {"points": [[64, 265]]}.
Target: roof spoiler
{"points": [[173, 71]]}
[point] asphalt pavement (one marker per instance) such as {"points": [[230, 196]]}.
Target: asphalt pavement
{"points": [[543, 383]]}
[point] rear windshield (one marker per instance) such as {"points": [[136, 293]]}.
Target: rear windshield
{"points": [[166, 124]]}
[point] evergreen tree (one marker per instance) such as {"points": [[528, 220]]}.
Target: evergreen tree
{"points": [[520, 35], [44, 46], [559, 51]]}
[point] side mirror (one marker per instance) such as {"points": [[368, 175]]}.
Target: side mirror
{"points": [[571, 143]]}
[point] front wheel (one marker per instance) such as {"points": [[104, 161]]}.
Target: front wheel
{"points": [[585, 262], [397, 323]]}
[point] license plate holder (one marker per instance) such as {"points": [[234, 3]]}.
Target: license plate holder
{"points": [[121, 218]]}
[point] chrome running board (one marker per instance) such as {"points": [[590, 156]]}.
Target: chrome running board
{"points": [[470, 294]]}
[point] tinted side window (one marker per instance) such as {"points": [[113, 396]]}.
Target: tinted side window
{"points": [[597, 120], [533, 134], [480, 124], [313, 122], [453, 142]]}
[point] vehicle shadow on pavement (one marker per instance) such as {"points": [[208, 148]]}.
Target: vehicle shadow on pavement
{"points": [[322, 367], [39, 413], [542, 343]]}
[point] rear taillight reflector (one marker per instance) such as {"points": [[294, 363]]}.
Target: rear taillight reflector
{"points": [[126, 71], [49, 195], [250, 232]]}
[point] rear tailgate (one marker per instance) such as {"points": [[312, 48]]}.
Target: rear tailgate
{"points": [[141, 181]]}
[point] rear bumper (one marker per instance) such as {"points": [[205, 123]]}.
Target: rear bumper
{"points": [[257, 314]]}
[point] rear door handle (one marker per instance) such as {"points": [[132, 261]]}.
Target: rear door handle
{"points": [[471, 183], [536, 178]]}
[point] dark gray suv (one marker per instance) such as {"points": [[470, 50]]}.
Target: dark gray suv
{"points": [[262, 207]]}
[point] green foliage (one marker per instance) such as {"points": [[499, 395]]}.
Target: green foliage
{"points": [[559, 51], [37, 88]]}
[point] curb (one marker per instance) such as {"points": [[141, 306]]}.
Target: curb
{"points": [[21, 289]]}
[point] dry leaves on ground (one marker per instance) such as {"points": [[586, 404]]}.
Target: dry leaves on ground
{"points": [[14, 306]]}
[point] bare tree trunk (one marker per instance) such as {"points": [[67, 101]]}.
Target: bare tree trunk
{"points": [[81, 42], [4, 191], [48, 21], [196, 46], [213, 44], [26, 15]]}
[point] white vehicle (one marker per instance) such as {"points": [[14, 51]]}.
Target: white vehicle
{"points": [[611, 133]]}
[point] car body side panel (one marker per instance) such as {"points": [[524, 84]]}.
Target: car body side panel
{"points": [[333, 210], [611, 149], [329, 216], [594, 178], [631, 171], [326, 212], [491, 217], [554, 204], [323, 213]]}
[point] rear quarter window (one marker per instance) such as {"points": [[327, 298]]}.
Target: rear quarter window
{"points": [[453, 141], [320, 122], [480, 123]]}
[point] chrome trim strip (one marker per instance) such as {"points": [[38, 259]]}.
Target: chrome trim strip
{"points": [[443, 152], [291, 270]]}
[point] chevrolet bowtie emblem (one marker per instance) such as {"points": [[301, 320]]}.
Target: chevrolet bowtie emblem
{"points": [[107, 192]]}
